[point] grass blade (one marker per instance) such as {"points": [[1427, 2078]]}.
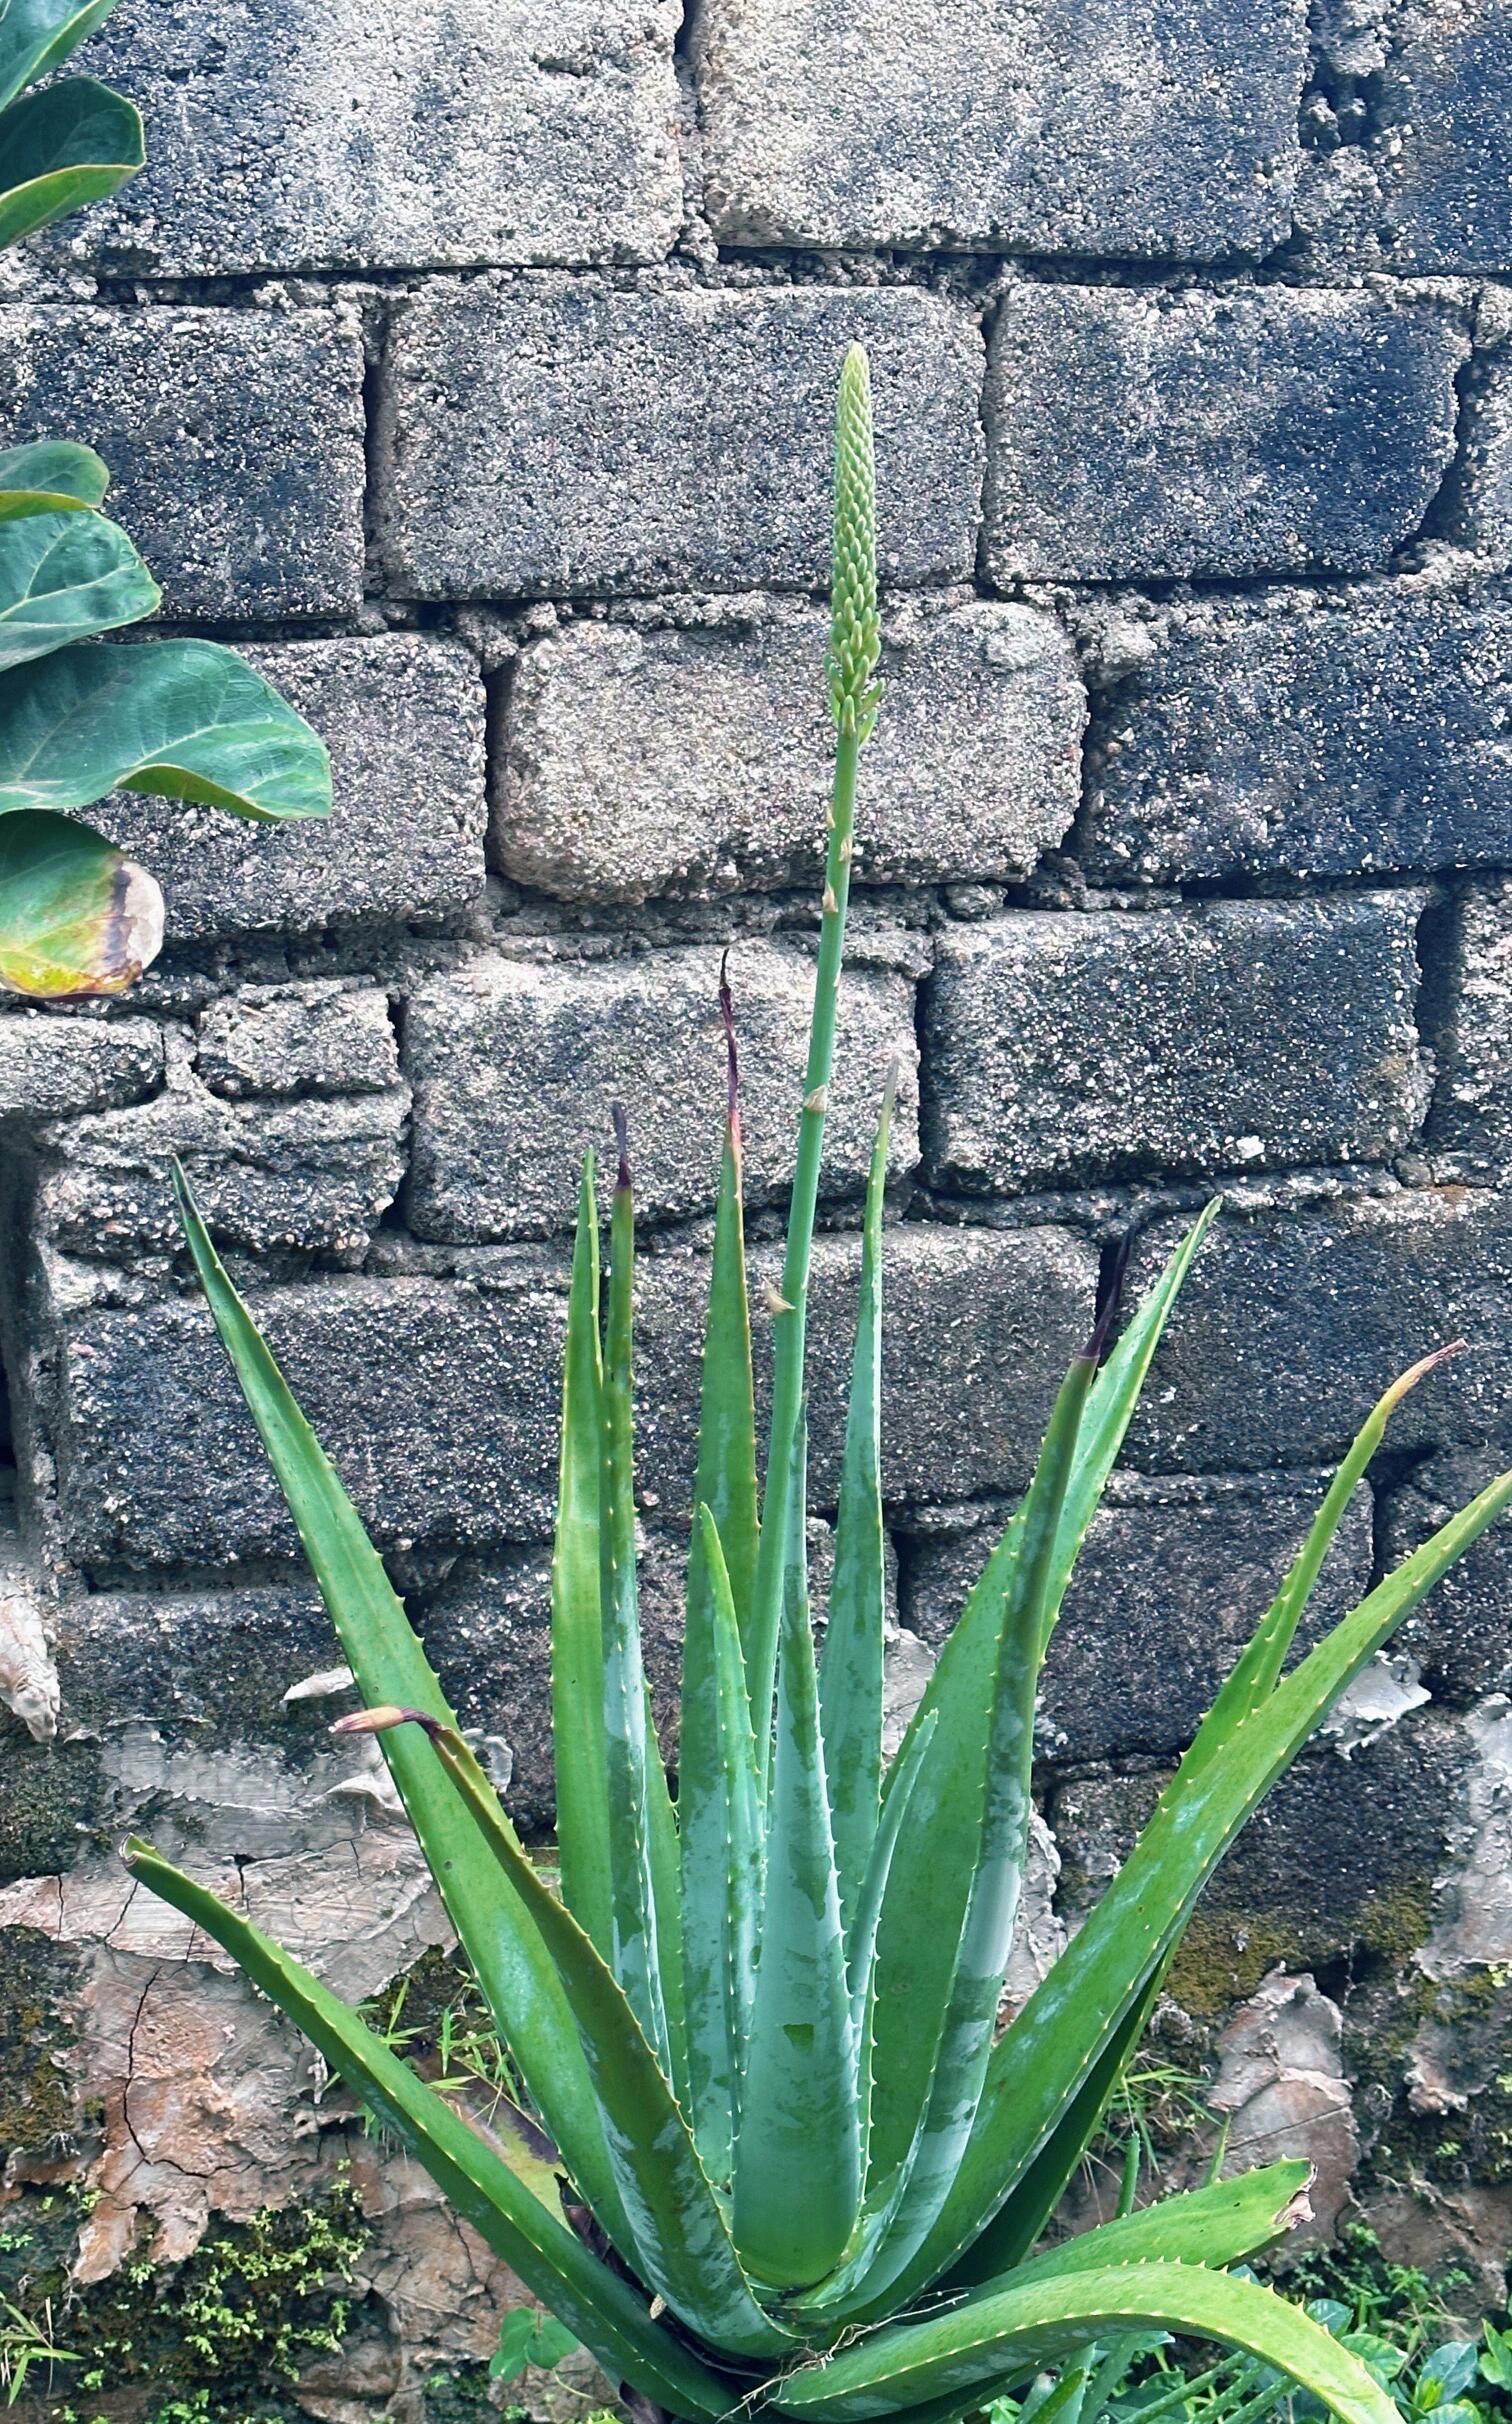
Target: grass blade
{"points": [[719, 1806], [850, 1671], [606, 2314], [685, 2251], [577, 1634], [516, 1975], [797, 2183], [627, 1752]]}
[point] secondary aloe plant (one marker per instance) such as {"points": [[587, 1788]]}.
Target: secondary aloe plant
{"points": [[77, 719], [799, 2165]]}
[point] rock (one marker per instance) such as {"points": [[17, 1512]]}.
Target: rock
{"points": [[1432, 190], [1472, 1108], [301, 1177], [318, 1038], [403, 719], [1163, 434], [1309, 733], [437, 1400], [1460, 1635], [366, 139], [1485, 503], [235, 441], [515, 1064], [1062, 1048], [1474, 1927], [1106, 129], [53, 1064], [651, 762], [1171, 1583], [554, 437], [1293, 1320], [1281, 2084]]}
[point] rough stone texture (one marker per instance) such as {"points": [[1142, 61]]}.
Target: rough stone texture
{"points": [[234, 440], [1110, 127], [1186, 432], [1310, 734], [1295, 1318], [554, 436], [1472, 1108], [1461, 1635], [53, 1064], [383, 138], [403, 719], [1169, 1586], [1486, 491], [437, 1400], [319, 1038], [645, 762], [1432, 189], [1239, 1034], [308, 1176], [515, 1063]]}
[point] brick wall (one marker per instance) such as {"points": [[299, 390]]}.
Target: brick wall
{"points": [[474, 372]]}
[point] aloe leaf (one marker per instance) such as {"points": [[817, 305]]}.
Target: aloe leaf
{"points": [[632, 1896], [1038, 2067], [968, 2019], [1255, 1672], [62, 148], [719, 1812], [850, 1671], [577, 1636], [665, 1855], [797, 2183], [50, 476], [932, 1870], [684, 2245], [518, 1977], [1221, 2224], [854, 647], [182, 718], [606, 2313], [65, 577], [725, 1479], [1004, 2338], [76, 915]]}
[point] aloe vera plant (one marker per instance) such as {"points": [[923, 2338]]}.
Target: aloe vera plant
{"points": [[798, 2164]]}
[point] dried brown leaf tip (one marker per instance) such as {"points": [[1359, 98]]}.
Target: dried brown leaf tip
{"points": [[383, 1720]]}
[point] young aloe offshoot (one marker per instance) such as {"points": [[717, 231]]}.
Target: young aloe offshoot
{"points": [[759, 2023]]}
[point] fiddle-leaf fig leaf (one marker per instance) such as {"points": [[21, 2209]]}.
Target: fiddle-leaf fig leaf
{"points": [[50, 476], [66, 146], [66, 577], [38, 35], [181, 718], [76, 915]]}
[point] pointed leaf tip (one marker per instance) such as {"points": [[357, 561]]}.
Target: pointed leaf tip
{"points": [[621, 1121], [1110, 1288], [383, 1720], [732, 1049]]}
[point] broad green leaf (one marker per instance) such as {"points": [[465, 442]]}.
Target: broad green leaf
{"points": [[632, 1903], [935, 1862], [719, 1813], [182, 718], [38, 35], [1039, 2066], [62, 148], [607, 2314], [76, 916], [50, 476], [685, 2252], [513, 1968], [1004, 2338], [577, 1637], [797, 2184], [850, 1671], [63, 577]]}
